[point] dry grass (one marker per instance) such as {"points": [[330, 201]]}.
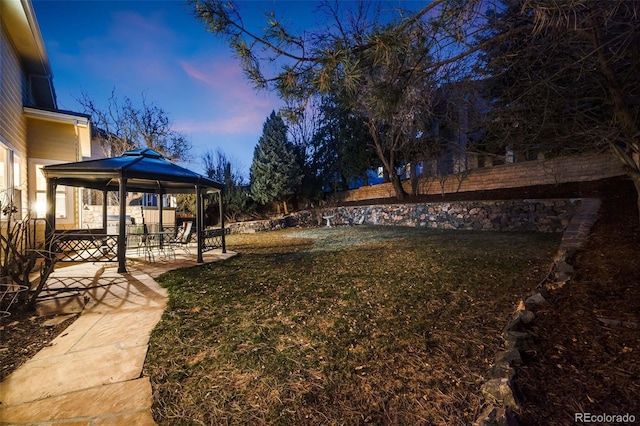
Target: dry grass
{"points": [[340, 326]]}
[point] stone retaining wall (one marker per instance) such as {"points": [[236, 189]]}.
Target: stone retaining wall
{"points": [[549, 215]]}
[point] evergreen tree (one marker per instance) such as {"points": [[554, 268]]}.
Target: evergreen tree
{"points": [[342, 145], [275, 171]]}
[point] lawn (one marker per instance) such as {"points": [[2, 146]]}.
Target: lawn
{"points": [[329, 326]]}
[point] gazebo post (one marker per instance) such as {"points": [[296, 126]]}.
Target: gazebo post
{"points": [[199, 221], [122, 228], [105, 197], [221, 205], [160, 213]]}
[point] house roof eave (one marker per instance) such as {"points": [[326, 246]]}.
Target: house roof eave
{"points": [[20, 20]]}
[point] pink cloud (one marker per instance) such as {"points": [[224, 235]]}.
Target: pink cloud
{"points": [[132, 26], [248, 123], [226, 79], [197, 74]]}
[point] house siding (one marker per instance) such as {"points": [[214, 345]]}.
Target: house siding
{"points": [[13, 126], [53, 141], [33, 138]]}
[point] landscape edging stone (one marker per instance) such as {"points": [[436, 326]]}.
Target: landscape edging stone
{"points": [[500, 405]]}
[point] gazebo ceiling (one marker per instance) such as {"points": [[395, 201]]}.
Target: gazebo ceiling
{"points": [[145, 171]]}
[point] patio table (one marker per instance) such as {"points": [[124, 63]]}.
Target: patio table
{"points": [[159, 242]]}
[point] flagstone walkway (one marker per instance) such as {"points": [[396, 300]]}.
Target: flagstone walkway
{"points": [[91, 374]]}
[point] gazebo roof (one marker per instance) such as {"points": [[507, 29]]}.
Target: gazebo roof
{"points": [[145, 171]]}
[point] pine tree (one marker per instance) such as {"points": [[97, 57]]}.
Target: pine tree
{"points": [[275, 171], [342, 144]]}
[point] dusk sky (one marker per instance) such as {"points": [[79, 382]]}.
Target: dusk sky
{"points": [[158, 48]]}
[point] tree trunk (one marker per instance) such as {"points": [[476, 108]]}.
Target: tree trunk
{"points": [[401, 194], [388, 164], [286, 208], [386, 178], [413, 173]]}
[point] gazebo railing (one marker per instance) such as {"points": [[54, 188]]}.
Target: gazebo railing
{"points": [[98, 246], [213, 239], [85, 246]]}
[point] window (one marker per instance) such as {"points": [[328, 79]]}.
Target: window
{"points": [[4, 184], [62, 197], [10, 183], [41, 193], [151, 200], [17, 176]]}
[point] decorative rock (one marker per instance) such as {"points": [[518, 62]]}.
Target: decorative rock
{"points": [[514, 325], [526, 316], [499, 390], [502, 370], [544, 291], [535, 300], [518, 339], [515, 336], [563, 266], [492, 416], [510, 357]]}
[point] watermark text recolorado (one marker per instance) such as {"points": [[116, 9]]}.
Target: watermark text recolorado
{"points": [[603, 418]]}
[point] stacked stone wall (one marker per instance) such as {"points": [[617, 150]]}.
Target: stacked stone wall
{"points": [[549, 215]]}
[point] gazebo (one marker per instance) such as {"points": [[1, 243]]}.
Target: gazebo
{"points": [[141, 170]]}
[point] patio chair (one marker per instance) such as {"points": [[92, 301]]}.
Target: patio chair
{"points": [[138, 239], [98, 239], [183, 237]]}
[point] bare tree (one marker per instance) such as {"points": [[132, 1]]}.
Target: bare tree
{"points": [[25, 262], [122, 126], [302, 120], [236, 199]]}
